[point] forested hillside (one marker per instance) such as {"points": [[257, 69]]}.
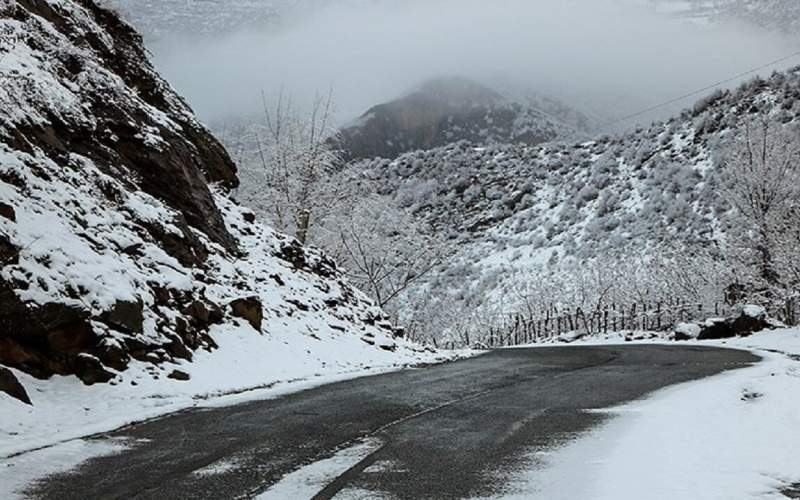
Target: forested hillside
{"points": [[574, 224]]}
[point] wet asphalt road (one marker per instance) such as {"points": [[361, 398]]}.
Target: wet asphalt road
{"points": [[450, 431]]}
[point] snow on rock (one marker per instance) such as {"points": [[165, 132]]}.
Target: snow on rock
{"points": [[687, 331], [122, 258], [752, 311]]}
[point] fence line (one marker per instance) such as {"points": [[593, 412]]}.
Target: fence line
{"points": [[519, 328]]}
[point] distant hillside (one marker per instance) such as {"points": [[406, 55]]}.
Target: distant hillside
{"points": [[517, 212], [446, 110]]}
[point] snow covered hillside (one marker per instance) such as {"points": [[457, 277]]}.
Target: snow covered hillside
{"points": [[122, 259], [518, 213], [446, 110]]}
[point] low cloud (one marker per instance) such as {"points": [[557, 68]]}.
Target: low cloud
{"points": [[606, 57]]}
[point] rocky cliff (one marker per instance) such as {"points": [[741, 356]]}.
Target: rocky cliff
{"points": [[118, 243]]}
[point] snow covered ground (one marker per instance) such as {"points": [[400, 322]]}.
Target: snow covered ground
{"points": [[66, 410], [729, 436], [734, 435]]}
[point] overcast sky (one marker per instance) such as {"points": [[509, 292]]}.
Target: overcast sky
{"points": [[606, 57]]}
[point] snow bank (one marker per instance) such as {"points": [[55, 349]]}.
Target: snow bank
{"points": [[246, 366], [730, 436]]}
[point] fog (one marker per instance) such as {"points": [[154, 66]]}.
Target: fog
{"points": [[608, 58]]}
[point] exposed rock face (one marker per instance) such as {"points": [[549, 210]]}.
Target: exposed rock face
{"points": [[82, 105], [448, 110], [102, 99], [746, 324], [11, 386], [114, 248], [249, 309], [7, 211], [126, 315]]}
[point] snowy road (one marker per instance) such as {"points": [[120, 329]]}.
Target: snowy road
{"points": [[451, 431]]}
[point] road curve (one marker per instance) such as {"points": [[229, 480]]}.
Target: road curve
{"points": [[448, 431]]}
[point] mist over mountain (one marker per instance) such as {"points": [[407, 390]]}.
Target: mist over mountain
{"points": [[223, 223], [607, 58], [451, 109]]}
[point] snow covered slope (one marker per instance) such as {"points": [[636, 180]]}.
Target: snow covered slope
{"points": [[121, 256], [446, 110], [520, 212]]}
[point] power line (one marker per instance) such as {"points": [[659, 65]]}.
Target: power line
{"points": [[703, 90]]}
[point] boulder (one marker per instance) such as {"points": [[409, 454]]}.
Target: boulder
{"points": [[11, 386], [249, 309], [203, 314], [716, 328], [90, 370], [179, 375], [753, 319], [177, 349], [746, 325], [687, 331], [113, 354], [126, 316], [7, 212], [9, 253]]}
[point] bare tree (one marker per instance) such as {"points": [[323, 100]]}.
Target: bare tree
{"points": [[764, 176], [384, 249], [293, 176], [289, 165]]}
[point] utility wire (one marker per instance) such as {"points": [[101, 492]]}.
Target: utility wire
{"points": [[703, 90]]}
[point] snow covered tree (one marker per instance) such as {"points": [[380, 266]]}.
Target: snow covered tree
{"points": [[763, 167], [294, 178], [288, 165], [384, 249]]}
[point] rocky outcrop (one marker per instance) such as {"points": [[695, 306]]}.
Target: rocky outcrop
{"points": [[104, 101], [751, 319], [249, 309], [119, 244], [11, 386]]}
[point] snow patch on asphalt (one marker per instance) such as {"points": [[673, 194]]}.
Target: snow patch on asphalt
{"points": [[311, 479], [218, 468], [21, 474], [733, 435]]}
